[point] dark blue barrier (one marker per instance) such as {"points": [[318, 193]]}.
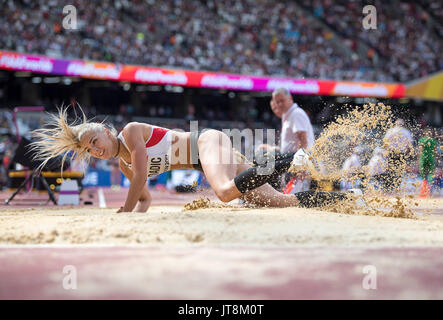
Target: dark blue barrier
{"points": [[102, 178], [97, 178]]}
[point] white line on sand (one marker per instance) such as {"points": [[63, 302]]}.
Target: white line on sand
{"points": [[101, 198]]}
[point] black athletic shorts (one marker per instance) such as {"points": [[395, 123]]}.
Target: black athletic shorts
{"points": [[195, 158]]}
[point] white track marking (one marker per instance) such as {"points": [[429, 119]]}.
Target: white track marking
{"points": [[101, 198]]}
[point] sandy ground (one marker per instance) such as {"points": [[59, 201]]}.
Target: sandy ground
{"points": [[170, 225], [220, 253]]}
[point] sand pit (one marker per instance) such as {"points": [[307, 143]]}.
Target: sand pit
{"points": [[219, 252], [232, 225]]}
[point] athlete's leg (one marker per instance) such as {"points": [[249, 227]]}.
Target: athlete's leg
{"points": [[266, 195], [262, 158], [218, 162], [221, 165], [257, 176]]}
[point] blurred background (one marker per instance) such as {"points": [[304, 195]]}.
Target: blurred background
{"points": [[321, 40]]}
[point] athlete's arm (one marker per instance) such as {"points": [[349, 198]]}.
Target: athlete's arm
{"points": [[136, 144], [144, 202]]}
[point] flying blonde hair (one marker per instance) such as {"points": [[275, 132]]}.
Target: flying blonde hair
{"points": [[59, 137]]}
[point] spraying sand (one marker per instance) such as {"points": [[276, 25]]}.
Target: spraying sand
{"points": [[362, 126]]}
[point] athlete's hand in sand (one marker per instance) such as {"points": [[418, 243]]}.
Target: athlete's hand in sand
{"points": [[142, 206]]}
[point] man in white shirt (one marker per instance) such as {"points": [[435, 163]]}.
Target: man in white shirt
{"points": [[296, 132]]}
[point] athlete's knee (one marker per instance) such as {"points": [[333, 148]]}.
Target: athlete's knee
{"points": [[225, 193], [224, 196]]}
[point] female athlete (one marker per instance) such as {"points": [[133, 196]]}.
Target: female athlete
{"points": [[146, 150]]}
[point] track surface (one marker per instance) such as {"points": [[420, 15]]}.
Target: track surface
{"points": [[220, 273], [213, 272], [112, 197]]}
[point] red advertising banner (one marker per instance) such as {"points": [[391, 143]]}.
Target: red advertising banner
{"points": [[142, 74]]}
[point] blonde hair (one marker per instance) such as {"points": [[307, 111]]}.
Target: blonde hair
{"points": [[60, 137]]}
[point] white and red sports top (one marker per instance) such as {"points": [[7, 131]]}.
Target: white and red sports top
{"points": [[158, 150]]}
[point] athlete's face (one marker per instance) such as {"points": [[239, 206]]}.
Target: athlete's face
{"points": [[100, 144], [281, 103]]}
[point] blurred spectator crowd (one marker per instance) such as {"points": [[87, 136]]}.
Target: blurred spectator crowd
{"points": [[314, 39]]}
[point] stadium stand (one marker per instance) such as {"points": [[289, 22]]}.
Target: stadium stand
{"points": [[319, 39]]}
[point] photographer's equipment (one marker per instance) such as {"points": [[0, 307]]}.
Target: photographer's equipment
{"points": [[24, 156]]}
